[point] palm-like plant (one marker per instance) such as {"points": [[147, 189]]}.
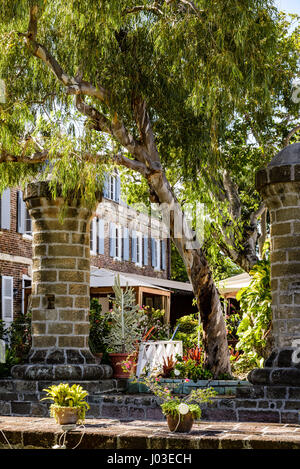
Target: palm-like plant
{"points": [[64, 395]]}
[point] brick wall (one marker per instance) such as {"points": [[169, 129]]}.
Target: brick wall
{"points": [[14, 245], [16, 248]]}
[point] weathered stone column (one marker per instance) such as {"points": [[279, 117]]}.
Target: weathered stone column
{"points": [[60, 291], [279, 185]]}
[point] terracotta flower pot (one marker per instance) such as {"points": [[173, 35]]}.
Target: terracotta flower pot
{"points": [[66, 415], [116, 363], [185, 424]]}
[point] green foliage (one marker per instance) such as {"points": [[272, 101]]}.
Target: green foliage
{"points": [[99, 327], [178, 270], [10, 360], [254, 328], [64, 395], [126, 320], [191, 369], [171, 408], [18, 342], [188, 331], [153, 324]]}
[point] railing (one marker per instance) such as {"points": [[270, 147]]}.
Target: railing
{"points": [[152, 354]]}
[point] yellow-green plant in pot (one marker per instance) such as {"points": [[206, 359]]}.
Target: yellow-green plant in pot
{"points": [[69, 405]]}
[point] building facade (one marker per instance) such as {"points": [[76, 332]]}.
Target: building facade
{"points": [[121, 240]]}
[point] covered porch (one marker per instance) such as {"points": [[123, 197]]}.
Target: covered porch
{"points": [[147, 294]]}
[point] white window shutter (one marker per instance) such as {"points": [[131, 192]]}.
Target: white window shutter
{"points": [[100, 236], [5, 209], [21, 213], [7, 299]]}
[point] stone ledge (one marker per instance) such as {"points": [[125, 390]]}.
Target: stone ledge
{"points": [[43, 433]]}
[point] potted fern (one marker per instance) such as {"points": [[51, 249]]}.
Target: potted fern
{"points": [[69, 404], [126, 331]]}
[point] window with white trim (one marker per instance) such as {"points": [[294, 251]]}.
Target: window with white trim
{"points": [[24, 222], [118, 244], [139, 249], [156, 253], [28, 223], [113, 187], [115, 242], [93, 236]]}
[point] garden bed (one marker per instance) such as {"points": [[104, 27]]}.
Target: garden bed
{"points": [[182, 386]]}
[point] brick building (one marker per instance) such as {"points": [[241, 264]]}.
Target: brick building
{"points": [[122, 240]]}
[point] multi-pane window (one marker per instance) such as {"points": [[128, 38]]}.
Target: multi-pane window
{"points": [[93, 235], [28, 223], [156, 253], [97, 236], [116, 242], [112, 187], [139, 249], [24, 223]]}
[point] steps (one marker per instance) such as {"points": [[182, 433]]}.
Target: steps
{"points": [[109, 399]]}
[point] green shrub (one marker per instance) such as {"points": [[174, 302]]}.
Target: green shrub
{"points": [[255, 326]]}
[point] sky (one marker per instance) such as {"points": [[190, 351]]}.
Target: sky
{"points": [[290, 6]]}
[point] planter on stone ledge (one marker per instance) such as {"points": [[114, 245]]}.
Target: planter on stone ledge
{"points": [[118, 364], [180, 423]]}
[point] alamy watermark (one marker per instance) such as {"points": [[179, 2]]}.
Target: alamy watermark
{"points": [[164, 221]]}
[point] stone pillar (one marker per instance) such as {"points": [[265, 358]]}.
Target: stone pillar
{"points": [[279, 185], [60, 291]]}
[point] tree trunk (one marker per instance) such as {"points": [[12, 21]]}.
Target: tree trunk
{"points": [[199, 273]]}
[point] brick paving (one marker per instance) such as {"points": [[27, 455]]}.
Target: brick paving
{"points": [[43, 433]]}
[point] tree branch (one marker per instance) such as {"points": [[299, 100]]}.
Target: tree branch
{"points": [[232, 195], [134, 165], [290, 135], [145, 128], [75, 85], [115, 128], [38, 157], [138, 8]]}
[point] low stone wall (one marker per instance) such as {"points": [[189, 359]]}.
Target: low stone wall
{"points": [[23, 398], [259, 405], [108, 434], [109, 399]]}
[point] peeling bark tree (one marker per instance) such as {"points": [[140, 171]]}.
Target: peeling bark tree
{"points": [[145, 75]]}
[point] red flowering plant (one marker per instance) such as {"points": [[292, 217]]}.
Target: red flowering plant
{"points": [[192, 365]]}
